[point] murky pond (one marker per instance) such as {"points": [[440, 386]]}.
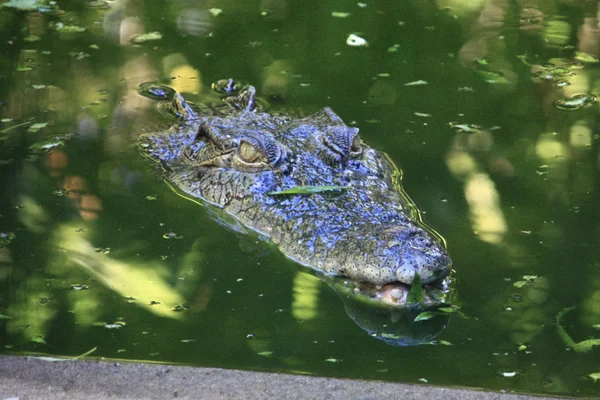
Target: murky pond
{"points": [[488, 106]]}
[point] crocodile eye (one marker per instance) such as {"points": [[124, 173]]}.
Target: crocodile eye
{"points": [[248, 152], [356, 148]]}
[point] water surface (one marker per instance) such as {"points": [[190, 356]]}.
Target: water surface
{"points": [[487, 106]]}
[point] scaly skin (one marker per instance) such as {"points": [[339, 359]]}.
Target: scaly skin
{"points": [[236, 158]]}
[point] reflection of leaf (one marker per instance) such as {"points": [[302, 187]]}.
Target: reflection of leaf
{"points": [[424, 316], [561, 331], [416, 295], [581, 347], [595, 376], [493, 77], [307, 190], [2, 316], [448, 310], [38, 339], [586, 345], [143, 281]]}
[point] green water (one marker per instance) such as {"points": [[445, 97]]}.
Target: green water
{"points": [[465, 96]]}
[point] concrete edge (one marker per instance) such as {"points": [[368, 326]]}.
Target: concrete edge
{"points": [[28, 378]]}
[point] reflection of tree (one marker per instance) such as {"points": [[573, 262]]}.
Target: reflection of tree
{"points": [[552, 153]]}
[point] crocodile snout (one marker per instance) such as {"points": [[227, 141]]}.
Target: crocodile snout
{"points": [[420, 253], [394, 254]]}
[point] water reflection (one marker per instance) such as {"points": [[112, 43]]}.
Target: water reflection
{"points": [[144, 282]]}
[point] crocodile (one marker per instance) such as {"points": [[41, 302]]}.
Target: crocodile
{"points": [[308, 184]]}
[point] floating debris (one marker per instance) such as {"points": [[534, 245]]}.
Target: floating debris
{"points": [[6, 238], [216, 12], [340, 14], [509, 374], [97, 4], [24, 5], [586, 58], [69, 28], [48, 144], [146, 37], [420, 82], [172, 235], [37, 126], [78, 286], [467, 128], [575, 102], [356, 41], [31, 38], [116, 325], [38, 339]]}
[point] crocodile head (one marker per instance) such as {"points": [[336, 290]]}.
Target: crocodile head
{"points": [[356, 221]]}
